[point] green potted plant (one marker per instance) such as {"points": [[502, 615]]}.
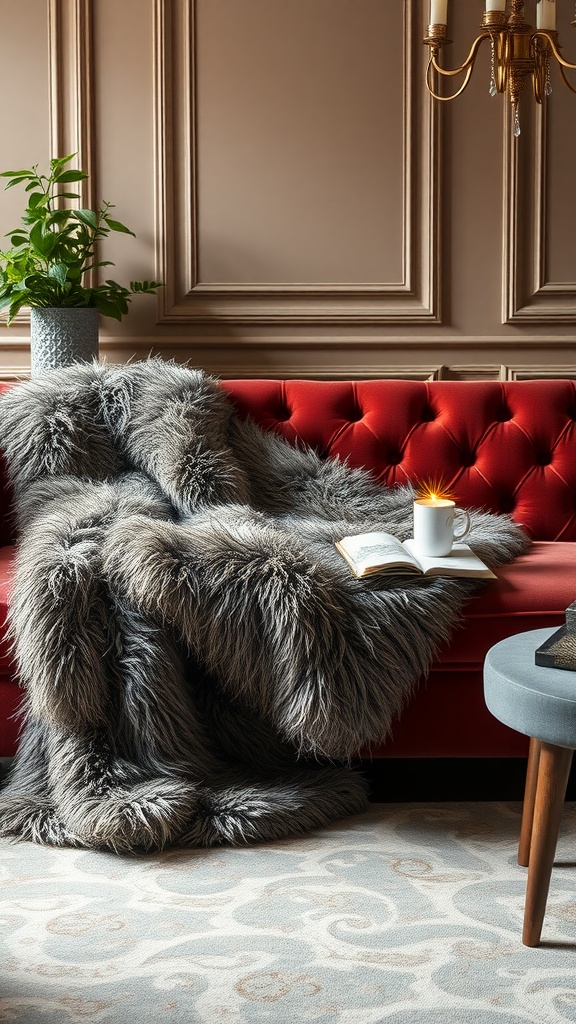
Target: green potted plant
{"points": [[52, 253]]}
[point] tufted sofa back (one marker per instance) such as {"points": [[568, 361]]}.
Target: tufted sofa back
{"points": [[502, 446]]}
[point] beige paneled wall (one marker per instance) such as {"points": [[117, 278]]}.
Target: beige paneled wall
{"points": [[25, 137], [274, 235], [280, 146], [309, 209]]}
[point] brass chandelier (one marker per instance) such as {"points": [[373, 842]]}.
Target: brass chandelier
{"points": [[518, 50]]}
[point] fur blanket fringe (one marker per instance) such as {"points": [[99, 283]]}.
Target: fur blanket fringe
{"points": [[198, 663]]}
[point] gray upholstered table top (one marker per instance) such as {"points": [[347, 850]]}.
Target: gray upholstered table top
{"points": [[530, 698]]}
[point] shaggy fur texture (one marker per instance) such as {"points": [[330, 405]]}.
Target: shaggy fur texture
{"points": [[198, 662]]}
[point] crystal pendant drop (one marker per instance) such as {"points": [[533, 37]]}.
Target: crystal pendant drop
{"points": [[547, 82], [516, 123], [492, 89]]}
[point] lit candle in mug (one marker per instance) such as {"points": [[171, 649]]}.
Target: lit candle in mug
{"points": [[434, 519]]}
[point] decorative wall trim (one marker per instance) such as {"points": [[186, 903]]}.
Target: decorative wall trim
{"points": [[473, 372], [536, 372], [527, 296], [488, 350], [291, 372], [425, 372], [13, 374], [288, 372], [71, 104], [70, 96], [184, 300]]}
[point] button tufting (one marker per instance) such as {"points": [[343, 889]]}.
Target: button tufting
{"points": [[468, 459], [355, 415], [505, 415], [507, 504], [543, 458], [394, 458], [428, 414], [283, 414]]}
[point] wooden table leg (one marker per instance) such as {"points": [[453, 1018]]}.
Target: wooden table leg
{"points": [[553, 772], [529, 801]]}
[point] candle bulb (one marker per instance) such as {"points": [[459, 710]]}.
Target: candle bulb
{"points": [[438, 12], [546, 15], [495, 5]]}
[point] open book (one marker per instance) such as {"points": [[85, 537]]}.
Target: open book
{"points": [[369, 553]]}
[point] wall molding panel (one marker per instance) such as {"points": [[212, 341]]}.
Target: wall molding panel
{"points": [[292, 372], [536, 371], [473, 372], [528, 297], [71, 63], [426, 372], [70, 95], [310, 210], [187, 300]]}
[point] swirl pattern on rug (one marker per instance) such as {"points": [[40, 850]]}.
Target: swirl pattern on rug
{"points": [[409, 912]]}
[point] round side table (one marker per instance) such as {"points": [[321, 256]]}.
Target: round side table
{"points": [[541, 703]]}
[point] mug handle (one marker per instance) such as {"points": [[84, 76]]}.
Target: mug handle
{"points": [[467, 524]]}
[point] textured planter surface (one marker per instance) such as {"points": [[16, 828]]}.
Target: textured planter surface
{"points": [[59, 337]]}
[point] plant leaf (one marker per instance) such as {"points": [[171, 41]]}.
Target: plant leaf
{"points": [[116, 225], [16, 181], [60, 161], [58, 217], [44, 243], [87, 217], [107, 307], [145, 287], [38, 199], [58, 271], [70, 176], [36, 236], [16, 307]]}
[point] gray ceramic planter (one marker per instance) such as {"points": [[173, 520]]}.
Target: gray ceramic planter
{"points": [[60, 336]]}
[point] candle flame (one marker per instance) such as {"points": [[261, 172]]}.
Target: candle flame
{"points": [[434, 490]]}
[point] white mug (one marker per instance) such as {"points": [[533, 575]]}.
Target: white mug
{"points": [[434, 532]]}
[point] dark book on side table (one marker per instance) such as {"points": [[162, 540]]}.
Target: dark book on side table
{"points": [[559, 650]]}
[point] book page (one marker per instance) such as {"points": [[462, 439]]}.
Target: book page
{"points": [[373, 550], [460, 562]]}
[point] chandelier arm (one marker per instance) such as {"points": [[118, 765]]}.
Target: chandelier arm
{"points": [[445, 99], [468, 63], [566, 79], [555, 51]]}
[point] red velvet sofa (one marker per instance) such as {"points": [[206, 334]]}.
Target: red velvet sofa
{"points": [[502, 446]]}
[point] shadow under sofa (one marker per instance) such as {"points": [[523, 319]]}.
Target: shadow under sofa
{"points": [[506, 447]]}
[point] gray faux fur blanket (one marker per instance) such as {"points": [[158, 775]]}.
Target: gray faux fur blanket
{"points": [[198, 663]]}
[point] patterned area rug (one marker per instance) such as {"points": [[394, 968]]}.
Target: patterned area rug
{"points": [[409, 914]]}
